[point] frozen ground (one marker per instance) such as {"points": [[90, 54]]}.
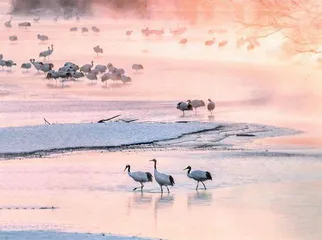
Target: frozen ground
{"points": [[19, 141], [43, 235]]}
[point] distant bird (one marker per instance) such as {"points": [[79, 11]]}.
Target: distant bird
{"points": [[137, 67], [26, 66], [77, 75], [13, 38], [73, 29], [1, 56], [120, 71], [125, 79], [101, 68], [98, 50], [161, 178], [128, 33], [184, 106], [199, 176], [210, 42], [2, 64], [183, 41], [47, 53], [84, 29], [106, 77], [36, 19], [211, 106], [24, 24], [222, 43], [179, 31], [96, 29], [109, 66], [8, 23], [141, 177], [196, 103], [91, 76], [87, 67], [42, 38], [95, 71], [46, 67], [56, 19], [37, 65], [116, 76], [10, 63]]}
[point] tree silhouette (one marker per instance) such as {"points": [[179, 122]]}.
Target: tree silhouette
{"points": [[299, 22]]}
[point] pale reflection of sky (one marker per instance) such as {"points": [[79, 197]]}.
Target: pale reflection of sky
{"points": [[250, 197]]}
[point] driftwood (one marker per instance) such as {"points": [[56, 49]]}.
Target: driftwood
{"points": [[46, 122], [108, 119], [245, 135]]}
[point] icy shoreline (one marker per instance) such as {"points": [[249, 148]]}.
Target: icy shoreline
{"points": [[29, 140], [42, 235]]}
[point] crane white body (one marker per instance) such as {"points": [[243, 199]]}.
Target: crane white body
{"points": [[13, 38], [161, 178], [184, 106], [125, 79], [196, 103], [199, 176], [101, 68], [7, 24], [84, 29], [98, 50], [47, 53], [87, 67], [37, 65], [26, 66], [10, 63], [91, 76], [138, 176], [42, 38], [106, 77], [24, 24], [137, 67]]}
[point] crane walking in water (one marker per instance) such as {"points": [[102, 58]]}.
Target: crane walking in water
{"points": [[199, 176], [161, 178], [141, 177]]}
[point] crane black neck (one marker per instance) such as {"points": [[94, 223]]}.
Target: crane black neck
{"points": [[189, 170], [129, 168], [155, 165]]}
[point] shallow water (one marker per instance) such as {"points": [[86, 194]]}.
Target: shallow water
{"points": [[268, 195]]}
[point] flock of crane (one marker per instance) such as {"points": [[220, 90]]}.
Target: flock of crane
{"points": [[72, 72], [195, 104], [69, 71], [165, 179]]}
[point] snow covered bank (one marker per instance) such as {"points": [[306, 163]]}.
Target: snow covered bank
{"points": [[30, 139], [44, 235]]}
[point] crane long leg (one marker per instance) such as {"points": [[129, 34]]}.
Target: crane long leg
{"points": [[197, 186], [161, 189], [139, 187], [204, 185], [167, 189]]}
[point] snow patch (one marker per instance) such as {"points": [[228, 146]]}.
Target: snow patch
{"points": [[44, 235], [29, 139]]}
